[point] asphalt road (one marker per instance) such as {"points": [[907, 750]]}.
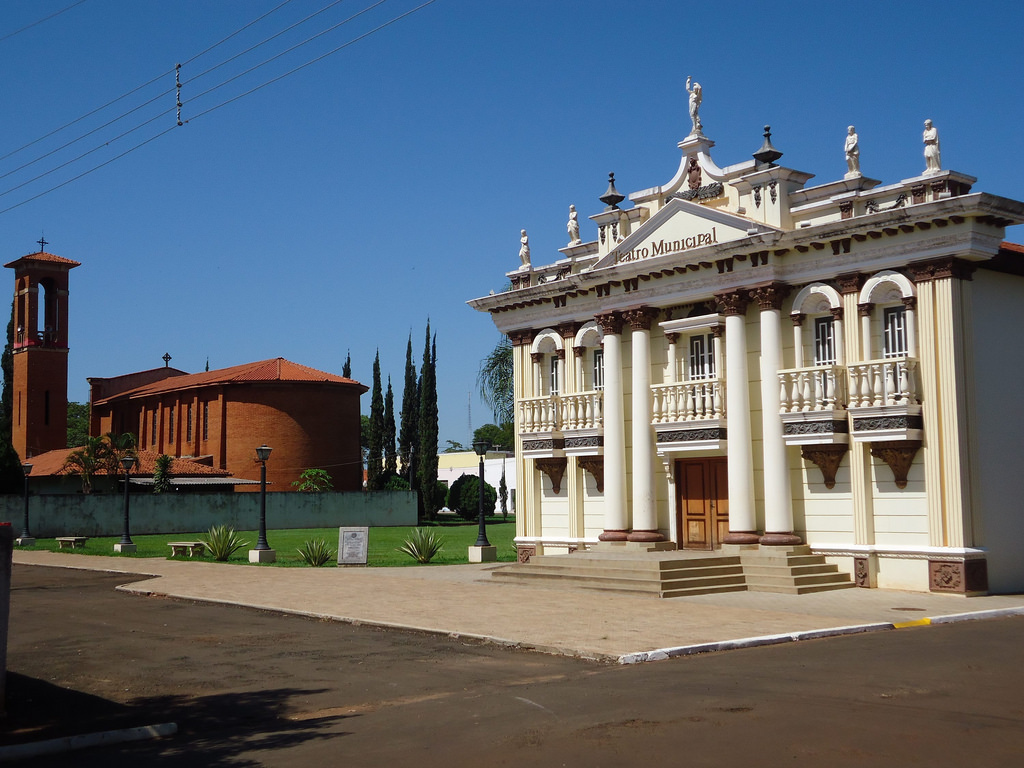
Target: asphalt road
{"points": [[251, 688]]}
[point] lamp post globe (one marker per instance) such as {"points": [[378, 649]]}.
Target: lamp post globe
{"points": [[481, 447]]}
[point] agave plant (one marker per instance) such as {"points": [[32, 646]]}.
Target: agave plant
{"points": [[316, 552], [422, 545], [222, 542]]}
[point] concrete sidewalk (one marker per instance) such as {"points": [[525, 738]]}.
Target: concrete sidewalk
{"points": [[462, 600]]}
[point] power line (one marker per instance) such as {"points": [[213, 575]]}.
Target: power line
{"points": [[37, 23], [213, 108], [315, 60]]}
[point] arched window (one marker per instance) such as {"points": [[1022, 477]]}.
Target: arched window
{"points": [[548, 354]]}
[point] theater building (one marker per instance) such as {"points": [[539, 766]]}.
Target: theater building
{"points": [[739, 360]]}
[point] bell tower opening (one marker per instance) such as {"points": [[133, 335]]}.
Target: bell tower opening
{"points": [[40, 387]]}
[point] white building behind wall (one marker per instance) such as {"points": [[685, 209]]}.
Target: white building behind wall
{"points": [[740, 359]]}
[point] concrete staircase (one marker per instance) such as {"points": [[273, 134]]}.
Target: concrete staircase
{"points": [[657, 574], [789, 570]]}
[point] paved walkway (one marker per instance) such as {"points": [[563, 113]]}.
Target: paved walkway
{"points": [[463, 600]]}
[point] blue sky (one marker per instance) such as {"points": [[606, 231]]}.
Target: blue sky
{"points": [[338, 208]]}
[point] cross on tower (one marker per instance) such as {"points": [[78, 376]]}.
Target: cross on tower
{"points": [[167, 359], [42, 243]]}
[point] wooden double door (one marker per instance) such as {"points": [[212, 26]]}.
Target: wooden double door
{"points": [[702, 502]]}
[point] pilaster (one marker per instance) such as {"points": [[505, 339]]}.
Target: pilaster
{"points": [[616, 511]]}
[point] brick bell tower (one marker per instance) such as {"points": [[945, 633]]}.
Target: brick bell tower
{"points": [[40, 391]]}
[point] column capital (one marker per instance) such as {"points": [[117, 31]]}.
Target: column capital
{"points": [[672, 337], [837, 313], [579, 351], [640, 318], [568, 330], [910, 302], [865, 309], [560, 353], [770, 296], [798, 318], [610, 322], [521, 337], [734, 303], [938, 269], [851, 282], [537, 357]]}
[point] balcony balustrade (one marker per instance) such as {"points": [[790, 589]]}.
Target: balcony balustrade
{"points": [[818, 388], [687, 401], [878, 383], [561, 413]]}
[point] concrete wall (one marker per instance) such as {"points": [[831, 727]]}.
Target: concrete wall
{"points": [[103, 514], [6, 551]]}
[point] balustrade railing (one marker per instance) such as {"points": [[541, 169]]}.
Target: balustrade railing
{"points": [[819, 388], [583, 410], [883, 382], [687, 401]]}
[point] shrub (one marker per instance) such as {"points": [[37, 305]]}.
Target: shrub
{"points": [[396, 483], [316, 552], [162, 474], [464, 497], [313, 481], [222, 542], [422, 545]]}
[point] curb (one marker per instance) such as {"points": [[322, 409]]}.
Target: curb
{"points": [[814, 634], [83, 741]]}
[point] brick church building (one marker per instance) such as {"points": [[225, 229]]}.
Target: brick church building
{"points": [[308, 417]]}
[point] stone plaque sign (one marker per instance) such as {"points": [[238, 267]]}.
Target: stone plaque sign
{"points": [[352, 545]]}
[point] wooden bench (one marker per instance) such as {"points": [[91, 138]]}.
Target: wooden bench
{"points": [[71, 541], [193, 548]]}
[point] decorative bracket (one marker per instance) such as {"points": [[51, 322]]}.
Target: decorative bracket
{"points": [[554, 468], [828, 458], [899, 455], [595, 466]]}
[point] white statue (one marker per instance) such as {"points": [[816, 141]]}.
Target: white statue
{"points": [[932, 156], [573, 226], [696, 96], [524, 249], [852, 154]]}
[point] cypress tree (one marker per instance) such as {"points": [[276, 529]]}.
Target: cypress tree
{"points": [[346, 369], [428, 429], [11, 475], [390, 455], [374, 464], [409, 435]]}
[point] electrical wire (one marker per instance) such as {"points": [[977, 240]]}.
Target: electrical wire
{"points": [[315, 60], [209, 110], [37, 23]]}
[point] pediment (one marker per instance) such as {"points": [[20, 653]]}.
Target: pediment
{"points": [[678, 227]]}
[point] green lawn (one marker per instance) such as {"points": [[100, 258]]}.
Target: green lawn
{"points": [[382, 551]]}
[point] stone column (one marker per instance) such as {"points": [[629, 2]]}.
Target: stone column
{"points": [[673, 365], [778, 495], [538, 376], [798, 340], [742, 515], [616, 512], [645, 512], [580, 360]]}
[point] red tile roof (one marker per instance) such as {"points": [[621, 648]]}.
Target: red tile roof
{"points": [[47, 257], [1006, 245], [276, 369], [52, 463]]}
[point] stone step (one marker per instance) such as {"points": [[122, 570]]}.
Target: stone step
{"points": [[642, 583], [802, 590], [770, 570], [600, 561], [786, 579], [571, 569]]}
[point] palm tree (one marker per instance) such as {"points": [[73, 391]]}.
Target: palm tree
{"points": [[495, 380], [88, 460]]}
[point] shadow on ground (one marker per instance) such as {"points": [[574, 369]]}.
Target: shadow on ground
{"points": [[213, 730]]}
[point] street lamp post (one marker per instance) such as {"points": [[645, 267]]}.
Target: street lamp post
{"points": [[482, 551], [126, 544], [26, 539], [262, 553]]}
